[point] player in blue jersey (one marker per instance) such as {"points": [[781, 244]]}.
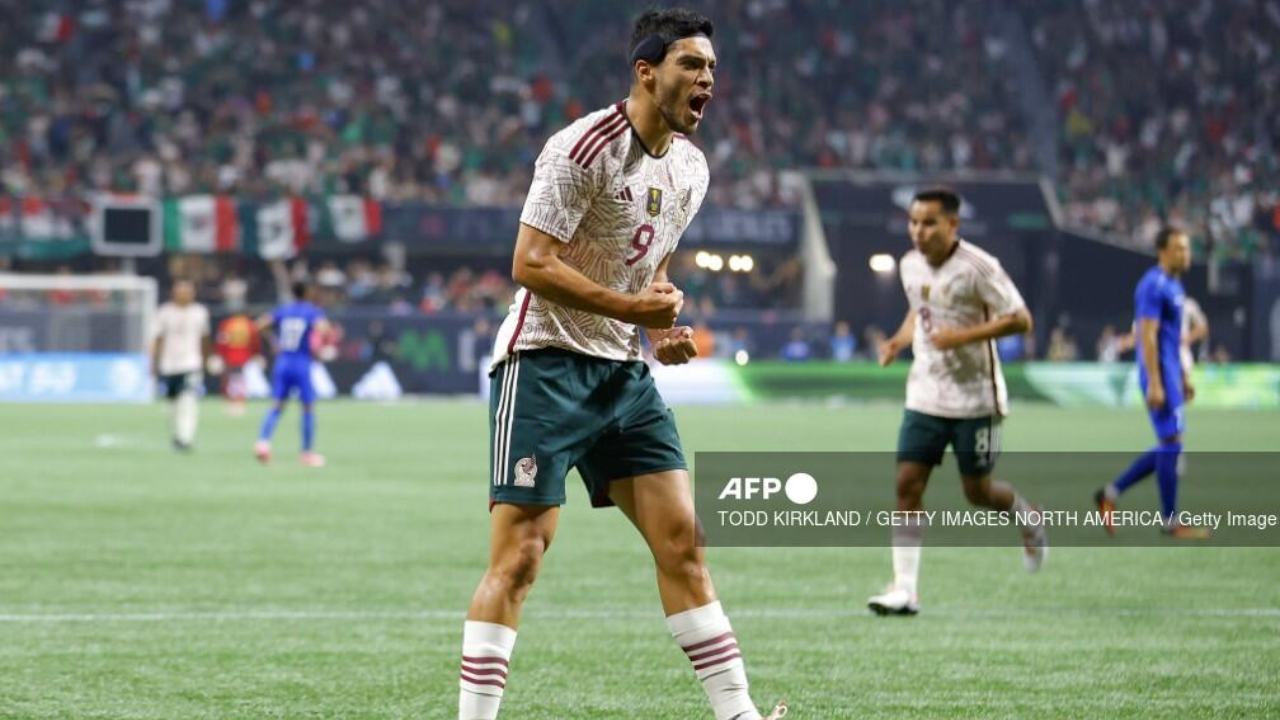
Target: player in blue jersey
{"points": [[293, 326], [1167, 387]]}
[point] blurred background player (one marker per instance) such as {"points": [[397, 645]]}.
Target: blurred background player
{"points": [[610, 198], [237, 343], [960, 300], [292, 327], [1164, 375], [179, 353], [1195, 330]]}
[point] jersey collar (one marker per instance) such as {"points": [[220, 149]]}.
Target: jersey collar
{"points": [[622, 108]]}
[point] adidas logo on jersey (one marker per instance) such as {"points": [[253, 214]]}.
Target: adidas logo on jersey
{"points": [[624, 194]]}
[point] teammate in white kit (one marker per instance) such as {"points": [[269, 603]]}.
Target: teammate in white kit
{"points": [[960, 301], [178, 356], [610, 198]]}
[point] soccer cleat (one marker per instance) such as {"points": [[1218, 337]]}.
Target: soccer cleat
{"points": [[1035, 546], [182, 447], [1186, 532], [262, 451], [1106, 506], [312, 459], [894, 601]]}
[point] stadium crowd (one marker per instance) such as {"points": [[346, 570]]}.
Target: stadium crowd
{"points": [[447, 102], [1169, 109]]}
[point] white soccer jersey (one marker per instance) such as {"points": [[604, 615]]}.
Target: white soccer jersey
{"points": [[620, 211], [968, 289], [182, 331], [1192, 317]]}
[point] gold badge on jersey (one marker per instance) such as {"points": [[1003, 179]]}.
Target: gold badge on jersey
{"points": [[924, 292], [653, 204]]}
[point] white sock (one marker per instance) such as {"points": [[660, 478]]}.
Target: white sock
{"points": [[906, 555], [1020, 510], [186, 414], [707, 638], [486, 651]]}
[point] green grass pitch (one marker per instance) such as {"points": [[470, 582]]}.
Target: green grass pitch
{"points": [[137, 583]]}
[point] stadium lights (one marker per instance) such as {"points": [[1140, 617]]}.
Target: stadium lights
{"points": [[708, 261], [882, 263], [741, 263]]}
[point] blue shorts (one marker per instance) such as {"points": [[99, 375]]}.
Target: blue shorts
{"points": [[1169, 420], [292, 374]]}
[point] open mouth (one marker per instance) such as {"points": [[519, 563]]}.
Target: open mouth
{"points": [[698, 102]]}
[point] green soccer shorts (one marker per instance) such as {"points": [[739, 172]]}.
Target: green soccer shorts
{"points": [[976, 441], [551, 410]]}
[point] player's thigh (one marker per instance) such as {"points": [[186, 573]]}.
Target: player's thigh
{"points": [[542, 417], [306, 388], [922, 439], [660, 505], [282, 381], [643, 440], [977, 444], [1169, 422]]}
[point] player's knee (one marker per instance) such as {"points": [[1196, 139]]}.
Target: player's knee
{"points": [[517, 568], [910, 486], [679, 551], [976, 493]]}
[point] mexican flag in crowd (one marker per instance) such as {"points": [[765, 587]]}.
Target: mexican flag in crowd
{"points": [[274, 230], [201, 224], [33, 218]]}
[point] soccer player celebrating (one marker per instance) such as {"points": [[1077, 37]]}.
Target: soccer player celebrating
{"points": [[292, 326], [610, 198], [960, 301], [178, 355], [1165, 381]]}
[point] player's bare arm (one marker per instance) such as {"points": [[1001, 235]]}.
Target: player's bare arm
{"points": [[674, 346], [157, 346], [1149, 328], [537, 266], [1014, 323], [889, 349]]}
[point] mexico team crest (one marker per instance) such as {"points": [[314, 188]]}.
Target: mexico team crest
{"points": [[653, 204], [526, 471]]}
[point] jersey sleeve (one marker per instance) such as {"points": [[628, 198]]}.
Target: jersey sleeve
{"points": [[205, 329], [561, 192], [999, 293], [1148, 301]]}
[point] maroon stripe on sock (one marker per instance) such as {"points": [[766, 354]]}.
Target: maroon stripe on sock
{"points": [[485, 660], [484, 671], [705, 643], [479, 681], [713, 663], [731, 647]]}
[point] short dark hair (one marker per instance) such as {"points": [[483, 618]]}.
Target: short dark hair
{"points": [[300, 290], [946, 197], [667, 25], [1165, 235]]}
